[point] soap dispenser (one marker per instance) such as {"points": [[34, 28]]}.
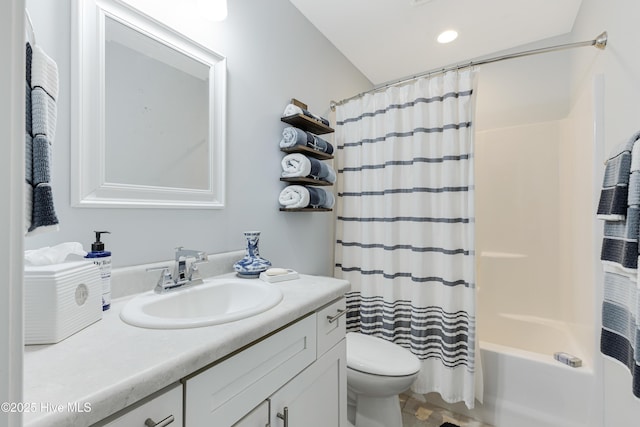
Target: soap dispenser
{"points": [[102, 259]]}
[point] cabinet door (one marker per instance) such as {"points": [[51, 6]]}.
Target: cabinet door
{"points": [[317, 397], [259, 417]]}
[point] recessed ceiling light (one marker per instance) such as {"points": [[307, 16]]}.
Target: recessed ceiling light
{"points": [[447, 36]]}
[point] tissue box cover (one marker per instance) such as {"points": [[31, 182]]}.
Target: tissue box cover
{"points": [[60, 300]]}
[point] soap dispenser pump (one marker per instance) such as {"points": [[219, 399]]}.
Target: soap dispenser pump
{"points": [[102, 259]]}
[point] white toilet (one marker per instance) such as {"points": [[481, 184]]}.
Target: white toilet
{"points": [[377, 371]]}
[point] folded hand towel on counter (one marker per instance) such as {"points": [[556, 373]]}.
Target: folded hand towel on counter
{"points": [[299, 165], [302, 196], [292, 110], [293, 136]]}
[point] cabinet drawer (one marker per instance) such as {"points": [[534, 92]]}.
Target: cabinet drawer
{"points": [[331, 325], [224, 393], [162, 407]]}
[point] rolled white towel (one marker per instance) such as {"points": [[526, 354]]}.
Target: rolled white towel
{"points": [[300, 196], [295, 165], [294, 196], [293, 136], [292, 110]]}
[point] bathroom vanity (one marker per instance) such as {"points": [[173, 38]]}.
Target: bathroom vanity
{"points": [[283, 367]]}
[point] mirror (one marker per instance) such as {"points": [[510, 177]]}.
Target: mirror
{"points": [[149, 105]]}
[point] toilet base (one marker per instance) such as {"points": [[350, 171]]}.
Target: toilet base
{"points": [[378, 412]]}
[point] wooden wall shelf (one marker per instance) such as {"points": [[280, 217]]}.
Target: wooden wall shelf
{"points": [[306, 210], [303, 180], [312, 125], [303, 149], [307, 123]]}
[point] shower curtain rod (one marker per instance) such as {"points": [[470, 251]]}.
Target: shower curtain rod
{"points": [[600, 42]]}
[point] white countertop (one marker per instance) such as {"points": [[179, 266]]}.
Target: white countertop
{"points": [[110, 364]]}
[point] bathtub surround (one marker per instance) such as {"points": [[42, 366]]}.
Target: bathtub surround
{"points": [[405, 233], [620, 208]]}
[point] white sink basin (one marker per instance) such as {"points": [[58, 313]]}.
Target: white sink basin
{"points": [[213, 302]]}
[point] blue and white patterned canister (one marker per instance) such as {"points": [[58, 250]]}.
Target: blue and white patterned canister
{"points": [[252, 264]]}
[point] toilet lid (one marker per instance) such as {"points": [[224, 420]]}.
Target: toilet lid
{"points": [[372, 355]]}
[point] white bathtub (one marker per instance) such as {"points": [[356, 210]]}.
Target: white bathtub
{"points": [[524, 388]]}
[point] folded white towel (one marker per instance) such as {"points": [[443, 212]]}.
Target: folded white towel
{"points": [[295, 165], [294, 196]]}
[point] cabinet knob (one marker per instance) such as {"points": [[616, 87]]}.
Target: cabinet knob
{"points": [[341, 313], [162, 423], [284, 417]]}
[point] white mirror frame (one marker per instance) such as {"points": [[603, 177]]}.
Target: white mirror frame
{"points": [[89, 187]]}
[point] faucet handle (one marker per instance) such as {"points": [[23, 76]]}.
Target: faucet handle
{"points": [[201, 257], [182, 253], [165, 281]]}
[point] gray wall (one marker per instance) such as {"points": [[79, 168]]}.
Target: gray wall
{"points": [[273, 54]]}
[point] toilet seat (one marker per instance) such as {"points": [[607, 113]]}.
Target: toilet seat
{"points": [[372, 355]]}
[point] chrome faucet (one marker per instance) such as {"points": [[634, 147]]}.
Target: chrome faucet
{"points": [[185, 271]]}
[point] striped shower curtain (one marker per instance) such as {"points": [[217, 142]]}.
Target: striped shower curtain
{"points": [[405, 229]]}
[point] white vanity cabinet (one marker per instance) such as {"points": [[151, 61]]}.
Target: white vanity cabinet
{"points": [[295, 377]]}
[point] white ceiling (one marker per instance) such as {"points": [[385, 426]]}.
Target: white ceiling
{"points": [[391, 39]]}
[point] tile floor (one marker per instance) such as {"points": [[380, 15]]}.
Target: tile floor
{"points": [[420, 414]]}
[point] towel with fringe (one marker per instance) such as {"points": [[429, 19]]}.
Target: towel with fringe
{"points": [[41, 115], [293, 136], [620, 208], [298, 165], [292, 110], [302, 196]]}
